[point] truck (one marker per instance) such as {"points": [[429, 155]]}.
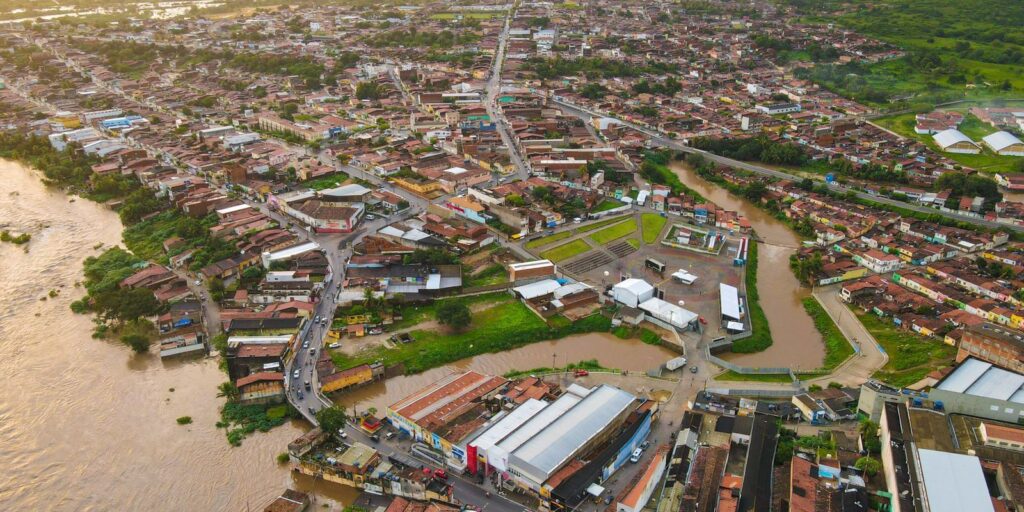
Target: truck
{"points": [[675, 364]]}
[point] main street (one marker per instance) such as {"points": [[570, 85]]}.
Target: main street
{"points": [[663, 141], [491, 103]]}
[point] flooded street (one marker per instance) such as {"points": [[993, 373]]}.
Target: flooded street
{"points": [[87, 425], [797, 343], [610, 351]]}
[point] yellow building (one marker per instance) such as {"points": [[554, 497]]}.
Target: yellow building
{"points": [[338, 381], [424, 187]]}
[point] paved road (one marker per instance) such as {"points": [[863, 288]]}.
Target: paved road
{"points": [[491, 103], [660, 140], [869, 358]]}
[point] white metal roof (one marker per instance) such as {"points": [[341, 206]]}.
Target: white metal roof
{"points": [[352, 189], [634, 285], [546, 452], [730, 298], [233, 209], [964, 375], [668, 312], [996, 383], [537, 289], [999, 141], [509, 423], [570, 289], [954, 482], [979, 378], [949, 137], [530, 264]]}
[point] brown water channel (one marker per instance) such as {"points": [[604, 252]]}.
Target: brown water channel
{"points": [[797, 343]]}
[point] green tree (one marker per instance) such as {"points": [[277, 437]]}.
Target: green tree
{"points": [[869, 465], [332, 419], [454, 314], [228, 390], [137, 342]]}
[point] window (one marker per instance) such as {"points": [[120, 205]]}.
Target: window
{"points": [[994, 408]]}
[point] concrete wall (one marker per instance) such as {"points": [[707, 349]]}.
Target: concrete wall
{"points": [[999, 410]]}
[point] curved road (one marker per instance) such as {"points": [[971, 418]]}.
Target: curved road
{"points": [[661, 140]]}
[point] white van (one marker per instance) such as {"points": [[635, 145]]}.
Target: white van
{"points": [[636, 455]]}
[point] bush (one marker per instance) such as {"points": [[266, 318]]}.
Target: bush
{"points": [[283, 458], [138, 342], [184, 420]]}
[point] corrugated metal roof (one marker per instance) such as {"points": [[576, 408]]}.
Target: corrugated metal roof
{"points": [[954, 482], [996, 383], [966, 374], [547, 451], [949, 137], [1001, 140], [730, 298]]}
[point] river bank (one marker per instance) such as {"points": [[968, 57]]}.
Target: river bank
{"points": [[88, 425]]}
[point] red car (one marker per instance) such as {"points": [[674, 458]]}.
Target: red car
{"points": [[440, 474], [581, 373]]}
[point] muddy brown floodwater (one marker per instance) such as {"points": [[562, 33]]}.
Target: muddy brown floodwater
{"points": [[797, 343], [87, 425], [610, 352]]}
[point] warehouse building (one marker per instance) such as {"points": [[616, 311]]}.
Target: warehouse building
{"points": [[1004, 143], [954, 141], [537, 440], [979, 388]]}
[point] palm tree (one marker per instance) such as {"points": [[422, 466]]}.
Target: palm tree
{"points": [[228, 390]]}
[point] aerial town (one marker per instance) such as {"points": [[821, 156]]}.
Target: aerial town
{"points": [[442, 256]]}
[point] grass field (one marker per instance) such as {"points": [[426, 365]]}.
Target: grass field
{"points": [[652, 225], [614, 232], [565, 251], [494, 274], [987, 161], [416, 314], [837, 347], [754, 377], [501, 327], [911, 357], [600, 224], [548, 239], [607, 204]]}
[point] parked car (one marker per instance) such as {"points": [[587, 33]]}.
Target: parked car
{"points": [[644, 445], [334, 345], [389, 435], [636, 455], [580, 373], [342, 434], [440, 474]]}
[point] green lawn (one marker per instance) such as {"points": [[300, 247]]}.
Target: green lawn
{"points": [[634, 242], [600, 224], [494, 274], [837, 347], [614, 232], [652, 225], [326, 182], [499, 328], [565, 251], [548, 239], [762, 334], [754, 377], [911, 357], [607, 204], [418, 313], [975, 128]]}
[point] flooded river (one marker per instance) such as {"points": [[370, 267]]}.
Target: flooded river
{"points": [[610, 351], [87, 425], [797, 343]]}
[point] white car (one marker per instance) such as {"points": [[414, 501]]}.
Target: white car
{"points": [[334, 345], [295, 374]]}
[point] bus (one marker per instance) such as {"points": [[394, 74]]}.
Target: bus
{"points": [[654, 265]]}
